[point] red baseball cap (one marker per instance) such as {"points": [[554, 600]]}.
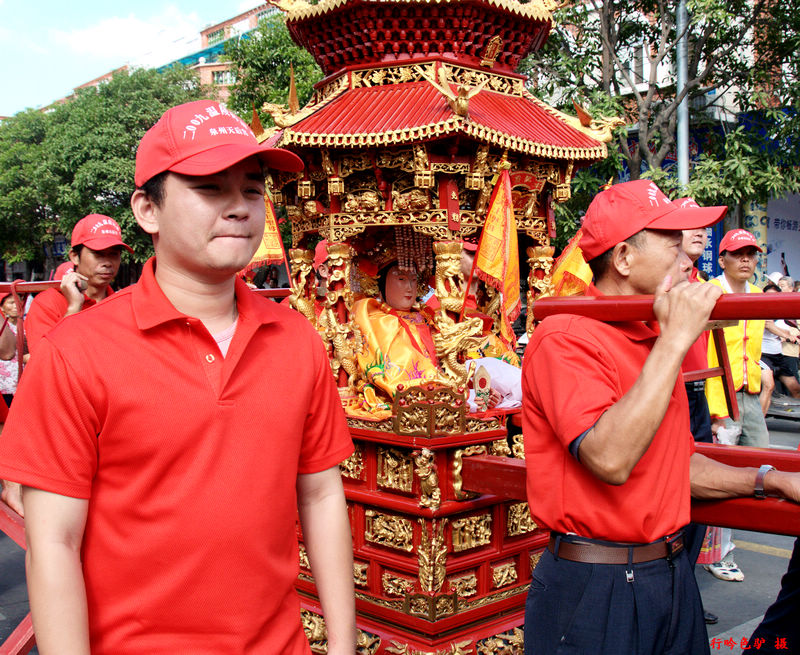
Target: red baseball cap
{"points": [[625, 209], [98, 232], [201, 138], [63, 269], [737, 239]]}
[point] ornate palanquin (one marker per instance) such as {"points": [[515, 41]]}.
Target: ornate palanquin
{"points": [[420, 110]]}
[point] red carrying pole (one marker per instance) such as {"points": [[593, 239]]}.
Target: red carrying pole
{"points": [[731, 306]]}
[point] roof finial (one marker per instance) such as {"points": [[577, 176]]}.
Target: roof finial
{"points": [[294, 103]]}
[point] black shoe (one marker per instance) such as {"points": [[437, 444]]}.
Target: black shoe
{"points": [[710, 618]]}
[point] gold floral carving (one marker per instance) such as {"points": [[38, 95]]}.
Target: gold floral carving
{"points": [[535, 557], [430, 607], [471, 532], [482, 425], [432, 556], [367, 643], [482, 601], [458, 455], [519, 520], [506, 643], [396, 585], [402, 159], [504, 574], [540, 278], [351, 163], [395, 470], [518, 446], [428, 410], [353, 466], [316, 632], [389, 530], [303, 558], [464, 585], [303, 283], [360, 570], [373, 426], [500, 448], [460, 648], [425, 468], [452, 169]]}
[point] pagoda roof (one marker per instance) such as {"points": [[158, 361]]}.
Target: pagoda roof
{"points": [[343, 33], [396, 114]]}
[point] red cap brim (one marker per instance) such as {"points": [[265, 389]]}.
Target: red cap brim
{"points": [[688, 218], [221, 157], [103, 242]]}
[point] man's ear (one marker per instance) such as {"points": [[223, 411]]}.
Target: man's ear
{"points": [[622, 258], [721, 261], [145, 211], [74, 257]]}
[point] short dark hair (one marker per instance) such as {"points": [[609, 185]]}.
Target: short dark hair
{"points": [[601, 263], [154, 188], [77, 249]]}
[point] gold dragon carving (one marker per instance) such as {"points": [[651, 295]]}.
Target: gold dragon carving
{"points": [[303, 283], [345, 338]]}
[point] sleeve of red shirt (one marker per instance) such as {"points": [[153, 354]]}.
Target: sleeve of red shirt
{"points": [[326, 437], [50, 438], [570, 379], [41, 318]]}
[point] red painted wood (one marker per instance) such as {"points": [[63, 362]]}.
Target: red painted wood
{"points": [[20, 641], [731, 306], [728, 388], [505, 477], [12, 524]]}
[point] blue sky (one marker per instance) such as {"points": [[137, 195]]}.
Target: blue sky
{"points": [[48, 47]]}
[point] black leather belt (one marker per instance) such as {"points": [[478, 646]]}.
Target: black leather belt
{"points": [[591, 552]]}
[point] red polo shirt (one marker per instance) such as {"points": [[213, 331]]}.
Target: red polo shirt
{"points": [[47, 309], [575, 368], [190, 462]]}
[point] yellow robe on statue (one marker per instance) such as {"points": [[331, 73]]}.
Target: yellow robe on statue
{"points": [[397, 346]]}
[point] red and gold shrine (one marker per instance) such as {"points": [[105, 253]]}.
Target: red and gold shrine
{"points": [[420, 112]]}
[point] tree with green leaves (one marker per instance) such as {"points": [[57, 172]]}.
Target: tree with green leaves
{"points": [[262, 62], [78, 158], [617, 57]]}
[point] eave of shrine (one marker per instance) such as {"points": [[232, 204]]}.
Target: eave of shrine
{"points": [[396, 114]]}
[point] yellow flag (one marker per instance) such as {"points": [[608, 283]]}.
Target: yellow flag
{"points": [[571, 273], [497, 258], [270, 250]]}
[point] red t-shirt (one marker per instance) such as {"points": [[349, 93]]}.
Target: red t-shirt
{"points": [[190, 462], [574, 369], [47, 309]]}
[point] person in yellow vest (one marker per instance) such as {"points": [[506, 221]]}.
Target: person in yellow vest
{"points": [[738, 255]]}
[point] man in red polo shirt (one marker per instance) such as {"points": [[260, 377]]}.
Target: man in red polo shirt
{"points": [[96, 252], [610, 467], [161, 493]]}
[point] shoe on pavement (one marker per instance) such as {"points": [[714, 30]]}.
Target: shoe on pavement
{"points": [[710, 618], [727, 571]]}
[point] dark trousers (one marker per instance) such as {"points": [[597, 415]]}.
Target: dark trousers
{"points": [[700, 425], [575, 608], [780, 629]]}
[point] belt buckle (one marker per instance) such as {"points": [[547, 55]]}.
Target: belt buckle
{"points": [[674, 544]]}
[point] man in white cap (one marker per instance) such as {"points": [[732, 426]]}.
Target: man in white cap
{"points": [[161, 494]]}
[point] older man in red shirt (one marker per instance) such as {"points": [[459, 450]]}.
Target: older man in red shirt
{"points": [[611, 466]]}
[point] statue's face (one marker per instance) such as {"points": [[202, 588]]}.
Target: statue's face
{"points": [[401, 288]]}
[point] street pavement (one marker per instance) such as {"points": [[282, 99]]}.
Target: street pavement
{"points": [[740, 605]]}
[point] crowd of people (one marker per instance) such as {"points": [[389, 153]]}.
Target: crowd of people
{"points": [[154, 430]]}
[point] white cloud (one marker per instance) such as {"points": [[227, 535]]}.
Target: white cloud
{"points": [[244, 5], [139, 41]]}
